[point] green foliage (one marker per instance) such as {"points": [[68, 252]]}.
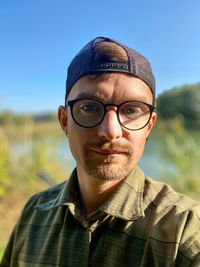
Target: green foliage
{"points": [[182, 153], [23, 164], [38, 157], [49, 116], [27, 166], [184, 101], [5, 179], [8, 117]]}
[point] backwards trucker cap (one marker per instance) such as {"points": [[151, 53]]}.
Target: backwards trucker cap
{"points": [[94, 58]]}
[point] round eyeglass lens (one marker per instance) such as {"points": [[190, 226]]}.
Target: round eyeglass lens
{"points": [[134, 115], [87, 112]]}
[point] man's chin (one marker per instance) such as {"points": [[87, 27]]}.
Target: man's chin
{"points": [[108, 171]]}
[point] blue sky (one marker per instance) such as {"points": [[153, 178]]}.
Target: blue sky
{"points": [[39, 38]]}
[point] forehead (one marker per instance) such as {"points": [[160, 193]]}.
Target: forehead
{"points": [[115, 88]]}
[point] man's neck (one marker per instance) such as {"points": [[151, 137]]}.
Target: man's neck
{"points": [[95, 192]]}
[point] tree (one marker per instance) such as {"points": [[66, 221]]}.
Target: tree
{"points": [[184, 101]]}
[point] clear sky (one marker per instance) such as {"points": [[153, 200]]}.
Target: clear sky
{"points": [[39, 38]]}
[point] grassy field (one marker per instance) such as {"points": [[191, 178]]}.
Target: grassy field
{"points": [[26, 171]]}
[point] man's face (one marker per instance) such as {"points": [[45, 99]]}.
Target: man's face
{"points": [[107, 151]]}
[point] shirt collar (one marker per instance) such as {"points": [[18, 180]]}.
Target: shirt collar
{"points": [[68, 194], [126, 203]]}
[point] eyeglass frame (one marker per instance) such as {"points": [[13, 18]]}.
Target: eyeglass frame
{"points": [[71, 103]]}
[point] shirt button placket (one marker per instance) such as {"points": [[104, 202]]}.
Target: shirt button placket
{"points": [[85, 224]]}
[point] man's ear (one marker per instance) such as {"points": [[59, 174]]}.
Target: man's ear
{"points": [[63, 118], [152, 121], [151, 124]]}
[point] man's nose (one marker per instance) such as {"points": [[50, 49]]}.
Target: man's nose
{"points": [[110, 128]]}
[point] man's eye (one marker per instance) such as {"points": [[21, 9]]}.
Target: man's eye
{"points": [[89, 108], [130, 110]]}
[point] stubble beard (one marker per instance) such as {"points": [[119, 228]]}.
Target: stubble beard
{"points": [[108, 168]]}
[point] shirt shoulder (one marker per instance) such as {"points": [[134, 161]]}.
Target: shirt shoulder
{"points": [[47, 198], [174, 218], [162, 195]]}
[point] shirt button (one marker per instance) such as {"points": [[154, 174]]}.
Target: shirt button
{"points": [[85, 224]]}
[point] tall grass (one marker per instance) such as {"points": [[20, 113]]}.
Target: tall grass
{"points": [[182, 151], [29, 162]]}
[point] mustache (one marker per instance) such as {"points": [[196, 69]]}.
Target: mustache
{"points": [[113, 146]]}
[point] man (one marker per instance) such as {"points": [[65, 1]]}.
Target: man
{"points": [[107, 213]]}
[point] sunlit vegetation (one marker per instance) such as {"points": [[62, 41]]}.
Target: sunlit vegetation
{"points": [[181, 153], [181, 101], [29, 162]]}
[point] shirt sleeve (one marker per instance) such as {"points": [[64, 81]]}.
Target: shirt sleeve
{"points": [[6, 259], [190, 240], [11, 247], [196, 262]]}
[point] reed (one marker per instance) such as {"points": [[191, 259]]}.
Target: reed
{"points": [[29, 162]]}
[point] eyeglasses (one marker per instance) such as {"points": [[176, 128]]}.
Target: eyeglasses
{"points": [[132, 115]]}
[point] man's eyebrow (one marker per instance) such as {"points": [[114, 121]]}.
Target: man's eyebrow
{"points": [[82, 95], [96, 95], [99, 96], [143, 99]]}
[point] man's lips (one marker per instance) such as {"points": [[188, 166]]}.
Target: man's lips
{"points": [[108, 152]]}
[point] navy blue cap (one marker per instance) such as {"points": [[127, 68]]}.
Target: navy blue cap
{"points": [[84, 64]]}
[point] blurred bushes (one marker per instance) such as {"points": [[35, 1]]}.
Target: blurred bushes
{"points": [[181, 101], [8, 117], [181, 154], [22, 161], [29, 162], [5, 179], [20, 119]]}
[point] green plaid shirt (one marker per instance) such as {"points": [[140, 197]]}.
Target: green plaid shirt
{"points": [[145, 223]]}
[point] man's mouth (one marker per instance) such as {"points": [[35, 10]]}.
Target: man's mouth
{"points": [[108, 152], [109, 149]]}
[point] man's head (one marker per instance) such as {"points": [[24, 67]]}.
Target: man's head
{"points": [[109, 112], [104, 55]]}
